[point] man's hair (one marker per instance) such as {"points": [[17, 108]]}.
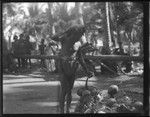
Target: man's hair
{"points": [[42, 40], [76, 28], [21, 35], [15, 37]]}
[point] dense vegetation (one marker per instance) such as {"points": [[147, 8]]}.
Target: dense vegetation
{"points": [[116, 24]]}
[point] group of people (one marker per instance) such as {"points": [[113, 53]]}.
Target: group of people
{"points": [[50, 49], [22, 46]]}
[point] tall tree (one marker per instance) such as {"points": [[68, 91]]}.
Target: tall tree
{"points": [[107, 39]]}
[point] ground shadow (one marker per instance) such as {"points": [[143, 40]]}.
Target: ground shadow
{"points": [[42, 96]]}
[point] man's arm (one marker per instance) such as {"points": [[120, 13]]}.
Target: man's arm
{"points": [[68, 33], [84, 66], [55, 38], [59, 38]]}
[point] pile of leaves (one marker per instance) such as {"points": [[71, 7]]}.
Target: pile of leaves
{"points": [[92, 100]]}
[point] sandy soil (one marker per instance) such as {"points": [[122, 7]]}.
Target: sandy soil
{"points": [[36, 92]]}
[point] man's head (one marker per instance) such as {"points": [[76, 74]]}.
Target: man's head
{"points": [[42, 40], [15, 38], [21, 36], [77, 28]]}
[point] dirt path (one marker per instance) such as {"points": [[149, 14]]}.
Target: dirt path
{"points": [[34, 93]]}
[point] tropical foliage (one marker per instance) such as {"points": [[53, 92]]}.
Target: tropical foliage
{"points": [[114, 23]]}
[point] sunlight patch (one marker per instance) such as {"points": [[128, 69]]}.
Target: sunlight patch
{"points": [[53, 104], [8, 89], [40, 82], [23, 80]]}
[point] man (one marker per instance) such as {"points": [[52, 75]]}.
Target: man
{"points": [[15, 49], [28, 47], [42, 51], [22, 49], [67, 65], [51, 49]]}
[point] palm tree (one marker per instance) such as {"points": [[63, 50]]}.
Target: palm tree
{"points": [[107, 40], [50, 18], [108, 23], [78, 12]]}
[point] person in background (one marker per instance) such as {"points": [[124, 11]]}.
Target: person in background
{"points": [[51, 49], [15, 49], [22, 49], [42, 47], [66, 64], [28, 47]]}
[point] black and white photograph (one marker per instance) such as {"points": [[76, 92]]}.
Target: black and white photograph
{"points": [[72, 57]]}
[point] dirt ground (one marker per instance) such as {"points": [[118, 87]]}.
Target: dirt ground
{"points": [[36, 92]]}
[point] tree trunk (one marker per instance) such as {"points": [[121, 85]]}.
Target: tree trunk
{"points": [[106, 44], [129, 44], [119, 39], [50, 63], [141, 43], [79, 16], [36, 37], [79, 19], [106, 49], [50, 21], [108, 23], [112, 23], [8, 62]]}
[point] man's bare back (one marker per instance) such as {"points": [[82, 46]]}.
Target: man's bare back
{"points": [[67, 68], [69, 38]]}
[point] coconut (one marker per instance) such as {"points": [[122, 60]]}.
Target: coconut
{"points": [[138, 105], [112, 90]]}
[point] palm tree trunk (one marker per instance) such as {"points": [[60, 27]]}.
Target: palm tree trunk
{"points": [[79, 16], [106, 44], [141, 43], [112, 23], [106, 49], [129, 43], [119, 38], [108, 23], [50, 18]]}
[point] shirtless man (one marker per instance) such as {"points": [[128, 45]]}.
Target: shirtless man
{"points": [[67, 64]]}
